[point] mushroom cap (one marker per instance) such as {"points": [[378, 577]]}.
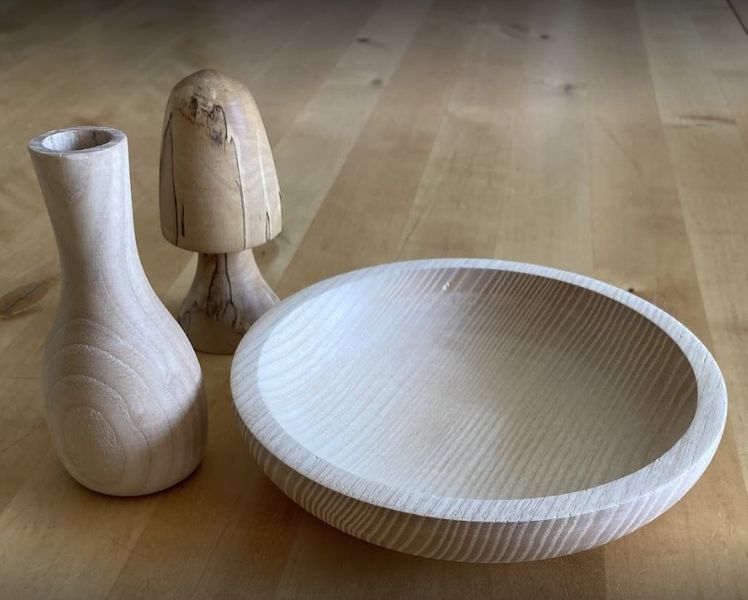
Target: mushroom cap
{"points": [[218, 189]]}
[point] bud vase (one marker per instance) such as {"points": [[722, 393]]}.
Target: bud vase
{"points": [[123, 390]]}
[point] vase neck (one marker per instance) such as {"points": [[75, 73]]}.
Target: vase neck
{"points": [[84, 177]]}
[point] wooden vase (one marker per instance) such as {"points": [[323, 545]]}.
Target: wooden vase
{"points": [[124, 396]]}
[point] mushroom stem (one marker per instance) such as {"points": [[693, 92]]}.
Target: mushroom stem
{"points": [[227, 295]]}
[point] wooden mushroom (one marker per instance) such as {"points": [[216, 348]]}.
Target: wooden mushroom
{"points": [[219, 197]]}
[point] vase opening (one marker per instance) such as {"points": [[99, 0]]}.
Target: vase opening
{"points": [[80, 138]]}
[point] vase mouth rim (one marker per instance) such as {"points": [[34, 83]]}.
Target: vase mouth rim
{"points": [[85, 139]]}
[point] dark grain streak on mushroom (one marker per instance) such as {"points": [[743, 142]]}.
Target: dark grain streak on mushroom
{"points": [[231, 293], [185, 319], [174, 186], [219, 135], [209, 297], [241, 193]]}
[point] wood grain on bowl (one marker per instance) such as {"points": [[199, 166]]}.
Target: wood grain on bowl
{"points": [[478, 410]]}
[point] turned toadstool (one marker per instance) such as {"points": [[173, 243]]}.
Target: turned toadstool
{"points": [[219, 197]]}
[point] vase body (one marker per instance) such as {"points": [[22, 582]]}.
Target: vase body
{"points": [[124, 396]]}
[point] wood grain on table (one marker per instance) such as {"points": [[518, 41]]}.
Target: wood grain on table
{"points": [[604, 137]]}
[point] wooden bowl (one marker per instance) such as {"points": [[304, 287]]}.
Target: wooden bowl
{"points": [[478, 410]]}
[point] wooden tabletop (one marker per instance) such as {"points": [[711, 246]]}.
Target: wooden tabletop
{"points": [[607, 138]]}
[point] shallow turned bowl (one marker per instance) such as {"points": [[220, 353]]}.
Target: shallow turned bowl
{"points": [[478, 410]]}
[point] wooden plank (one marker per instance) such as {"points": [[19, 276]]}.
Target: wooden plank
{"points": [[545, 215], [321, 139], [641, 243], [373, 191], [455, 210], [710, 165]]}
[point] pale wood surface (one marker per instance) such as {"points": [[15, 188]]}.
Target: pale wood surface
{"points": [[478, 410], [218, 188], [123, 390], [218, 195], [616, 146], [227, 295]]}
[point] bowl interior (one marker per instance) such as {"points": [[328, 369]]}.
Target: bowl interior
{"points": [[476, 383]]}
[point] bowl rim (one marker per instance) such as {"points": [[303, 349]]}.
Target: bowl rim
{"points": [[688, 456]]}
